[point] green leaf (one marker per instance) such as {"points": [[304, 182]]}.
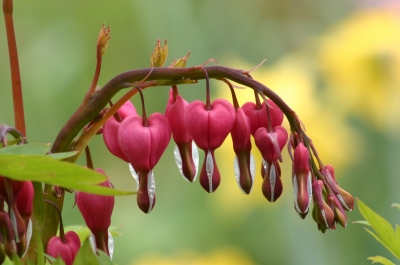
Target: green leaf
{"points": [[381, 260], [7, 261], [85, 255], [83, 231], [49, 258], [64, 174], [396, 205], [16, 259], [39, 250], [385, 233], [26, 149], [62, 156], [58, 261], [363, 222], [397, 231], [103, 258]]}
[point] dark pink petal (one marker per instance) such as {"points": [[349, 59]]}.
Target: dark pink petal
{"points": [[175, 114], [268, 144], [110, 129]]}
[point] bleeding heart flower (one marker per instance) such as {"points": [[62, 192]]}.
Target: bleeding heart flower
{"points": [[209, 127], [97, 211], [66, 249], [258, 116], [270, 145], [110, 129], [184, 151], [244, 161], [143, 145], [301, 180]]}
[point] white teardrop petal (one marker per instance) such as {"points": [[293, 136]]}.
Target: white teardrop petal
{"points": [[236, 169], [151, 189], [92, 242], [110, 244], [209, 170], [28, 235], [252, 170], [195, 157], [178, 161], [134, 175], [309, 190], [295, 192], [272, 181]]}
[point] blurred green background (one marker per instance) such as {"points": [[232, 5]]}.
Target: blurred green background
{"points": [[336, 63]]}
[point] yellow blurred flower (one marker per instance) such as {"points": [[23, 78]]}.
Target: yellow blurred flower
{"points": [[217, 257], [360, 62]]}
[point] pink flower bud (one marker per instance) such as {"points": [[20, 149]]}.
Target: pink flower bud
{"points": [[301, 180], [259, 118], [97, 211], [110, 129], [244, 169], [323, 213], [66, 250], [175, 114], [24, 201], [14, 187], [143, 147], [209, 128], [343, 196]]}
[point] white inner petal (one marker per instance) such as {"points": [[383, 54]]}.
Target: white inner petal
{"points": [[134, 175], [295, 191], [309, 190], [28, 235], [324, 215], [209, 170], [110, 244], [236, 169], [340, 198], [151, 189], [272, 181], [195, 157]]}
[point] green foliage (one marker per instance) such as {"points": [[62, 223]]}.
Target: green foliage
{"points": [[87, 256], [384, 232], [45, 169]]}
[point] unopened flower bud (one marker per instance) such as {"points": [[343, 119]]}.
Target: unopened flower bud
{"points": [[103, 39], [301, 180], [159, 55], [97, 211], [323, 213]]}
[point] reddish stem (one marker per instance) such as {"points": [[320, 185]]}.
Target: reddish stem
{"points": [[19, 116]]}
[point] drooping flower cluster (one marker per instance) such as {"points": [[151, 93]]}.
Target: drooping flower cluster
{"points": [[141, 142], [15, 224]]}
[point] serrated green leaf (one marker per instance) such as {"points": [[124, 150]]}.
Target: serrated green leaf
{"points": [[62, 156], [103, 258], [363, 222], [381, 260], [26, 149], [85, 255], [48, 170], [385, 233]]}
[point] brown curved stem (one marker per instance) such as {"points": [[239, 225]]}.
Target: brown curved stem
{"points": [[19, 116], [86, 113]]}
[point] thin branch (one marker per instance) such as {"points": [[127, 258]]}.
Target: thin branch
{"points": [[86, 113], [19, 116]]}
